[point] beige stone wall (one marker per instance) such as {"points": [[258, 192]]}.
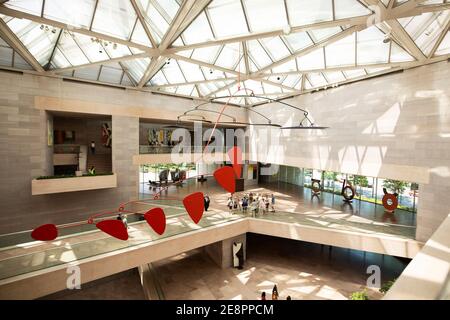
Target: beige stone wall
{"points": [[24, 155], [395, 126]]}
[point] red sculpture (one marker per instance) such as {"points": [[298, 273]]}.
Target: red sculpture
{"points": [[156, 219]]}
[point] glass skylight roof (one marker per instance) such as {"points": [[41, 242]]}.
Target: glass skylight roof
{"points": [[273, 48]]}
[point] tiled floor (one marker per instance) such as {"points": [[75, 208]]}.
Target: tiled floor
{"points": [[299, 269]]}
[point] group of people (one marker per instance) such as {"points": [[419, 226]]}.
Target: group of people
{"points": [[256, 203], [274, 294]]}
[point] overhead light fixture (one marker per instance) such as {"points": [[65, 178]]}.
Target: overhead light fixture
{"points": [[387, 38], [287, 29]]}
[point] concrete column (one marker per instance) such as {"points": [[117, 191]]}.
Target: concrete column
{"points": [[125, 144], [222, 252]]}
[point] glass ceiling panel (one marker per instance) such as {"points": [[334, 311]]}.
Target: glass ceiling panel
{"points": [[334, 77], [275, 48], [253, 67], [208, 54], [76, 13], [191, 72], [88, 73], [398, 54], [72, 51], [19, 63], [3, 43], [351, 74], [156, 18], [322, 34], [6, 56], [269, 88], [59, 60], [198, 31], [258, 54], [286, 67], [39, 40], [341, 52], [265, 15], [349, 8], [375, 70], [158, 79], [426, 28], [111, 74], [444, 47], [370, 46], [136, 68], [317, 11], [116, 51], [227, 18], [186, 90], [28, 6], [139, 36], [255, 87], [317, 79], [298, 41], [126, 81], [312, 60], [292, 81], [173, 73], [229, 56], [115, 18], [211, 74], [93, 51]]}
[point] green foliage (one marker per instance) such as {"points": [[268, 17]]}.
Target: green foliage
{"points": [[63, 176], [395, 185], [386, 286], [361, 181], [329, 175], [359, 295]]}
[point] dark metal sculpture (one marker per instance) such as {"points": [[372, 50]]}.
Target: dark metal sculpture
{"points": [[304, 123]]}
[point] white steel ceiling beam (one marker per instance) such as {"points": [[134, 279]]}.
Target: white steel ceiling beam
{"points": [[139, 10], [23, 15], [171, 35], [316, 46], [18, 46], [102, 62]]}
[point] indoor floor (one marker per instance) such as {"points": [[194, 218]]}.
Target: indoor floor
{"points": [[299, 269]]}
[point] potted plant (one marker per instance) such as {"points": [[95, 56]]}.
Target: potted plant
{"points": [[386, 286], [359, 295]]}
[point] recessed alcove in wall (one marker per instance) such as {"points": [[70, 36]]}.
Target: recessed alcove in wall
{"points": [[80, 143]]}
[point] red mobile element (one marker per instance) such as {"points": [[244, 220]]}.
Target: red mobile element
{"points": [[225, 177], [114, 228], [235, 155], [46, 232], [195, 205], [156, 219]]}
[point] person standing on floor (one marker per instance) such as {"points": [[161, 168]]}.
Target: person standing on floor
{"points": [[275, 293], [263, 295], [230, 204], [125, 221], [93, 147], [244, 204], [206, 201], [273, 202]]}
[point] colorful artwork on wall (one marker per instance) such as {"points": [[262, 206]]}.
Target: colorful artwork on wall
{"points": [[106, 135]]}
